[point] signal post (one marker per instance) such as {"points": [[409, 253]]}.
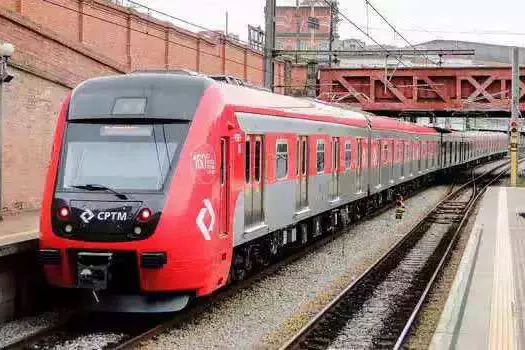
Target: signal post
{"points": [[515, 114], [514, 140]]}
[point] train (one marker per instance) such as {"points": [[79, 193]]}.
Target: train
{"points": [[164, 187]]}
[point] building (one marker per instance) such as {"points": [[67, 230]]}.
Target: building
{"points": [[303, 24], [485, 54]]}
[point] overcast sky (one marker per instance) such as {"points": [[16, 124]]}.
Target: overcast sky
{"points": [[498, 22]]}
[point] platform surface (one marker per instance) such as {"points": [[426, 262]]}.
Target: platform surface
{"points": [[18, 229], [485, 308]]}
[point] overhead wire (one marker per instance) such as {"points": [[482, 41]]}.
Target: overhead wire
{"points": [[395, 30], [362, 31], [178, 19], [163, 38]]}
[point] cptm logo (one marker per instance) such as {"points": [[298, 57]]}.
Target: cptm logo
{"points": [[206, 211], [88, 215]]}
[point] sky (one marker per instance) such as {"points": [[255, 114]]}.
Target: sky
{"points": [[497, 22]]}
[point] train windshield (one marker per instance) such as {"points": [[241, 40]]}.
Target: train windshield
{"points": [[120, 157]]}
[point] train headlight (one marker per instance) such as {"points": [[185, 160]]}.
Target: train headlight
{"points": [[144, 215], [137, 230], [63, 213], [68, 228]]}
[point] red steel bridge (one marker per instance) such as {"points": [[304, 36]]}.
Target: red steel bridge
{"points": [[439, 90]]}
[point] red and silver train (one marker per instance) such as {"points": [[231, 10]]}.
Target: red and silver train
{"points": [[163, 187]]}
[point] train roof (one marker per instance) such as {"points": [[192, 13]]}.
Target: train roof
{"points": [[166, 93], [264, 102]]}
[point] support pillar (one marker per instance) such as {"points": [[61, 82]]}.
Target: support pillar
{"points": [[311, 79]]}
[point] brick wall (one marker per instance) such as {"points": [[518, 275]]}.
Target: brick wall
{"points": [[60, 43], [31, 106], [136, 41]]}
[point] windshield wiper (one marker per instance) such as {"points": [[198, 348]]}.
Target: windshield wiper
{"points": [[96, 187]]}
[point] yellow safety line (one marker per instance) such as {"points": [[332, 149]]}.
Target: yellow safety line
{"points": [[502, 332]]}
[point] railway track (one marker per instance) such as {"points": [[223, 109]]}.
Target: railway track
{"points": [[76, 324], [136, 329], [378, 309]]}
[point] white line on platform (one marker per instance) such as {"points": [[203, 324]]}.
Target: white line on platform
{"points": [[502, 331]]}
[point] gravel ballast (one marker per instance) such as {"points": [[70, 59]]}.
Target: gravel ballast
{"points": [[270, 310], [264, 314], [11, 332]]}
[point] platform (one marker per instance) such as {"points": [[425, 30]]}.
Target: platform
{"points": [[18, 232], [485, 308]]}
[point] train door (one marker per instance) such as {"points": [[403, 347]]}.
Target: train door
{"points": [[393, 159], [335, 167], [253, 189], [225, 185], [402, 159], [419, 156], [409, 157], [301, 199], [359, 170], [384, 165], [377, 161], [443, 154]]}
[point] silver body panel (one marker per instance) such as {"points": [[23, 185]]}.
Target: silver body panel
{"points": [[328, 191]]}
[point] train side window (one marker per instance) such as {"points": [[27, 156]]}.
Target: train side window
{"points": [[320, 156], [258, 160], [385, 153], [248, 155], [348, 155], [282, 160]]}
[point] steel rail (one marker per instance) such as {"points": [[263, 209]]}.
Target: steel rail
{"points": [[234, 288], [302, 334], [129, 343], [477, 196], [195, 309]]}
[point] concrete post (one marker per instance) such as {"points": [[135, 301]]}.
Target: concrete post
{"points": [[269, 45]]}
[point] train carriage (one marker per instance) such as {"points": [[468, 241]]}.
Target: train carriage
{"points": [[162, 187]]}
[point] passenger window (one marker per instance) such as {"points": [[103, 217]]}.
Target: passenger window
{"points": [[258, 160], [348, 155], [247, 162], [282, 160], [385, 154], [320, 156]]}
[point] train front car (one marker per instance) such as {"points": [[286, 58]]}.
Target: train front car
{"points": [[130, 212]]}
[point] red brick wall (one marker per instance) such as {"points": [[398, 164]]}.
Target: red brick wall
{"points": [[286, 25], [57, 47], [137, 41], [286, 19], [298, 83], [116, 33], [31, 105]]}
